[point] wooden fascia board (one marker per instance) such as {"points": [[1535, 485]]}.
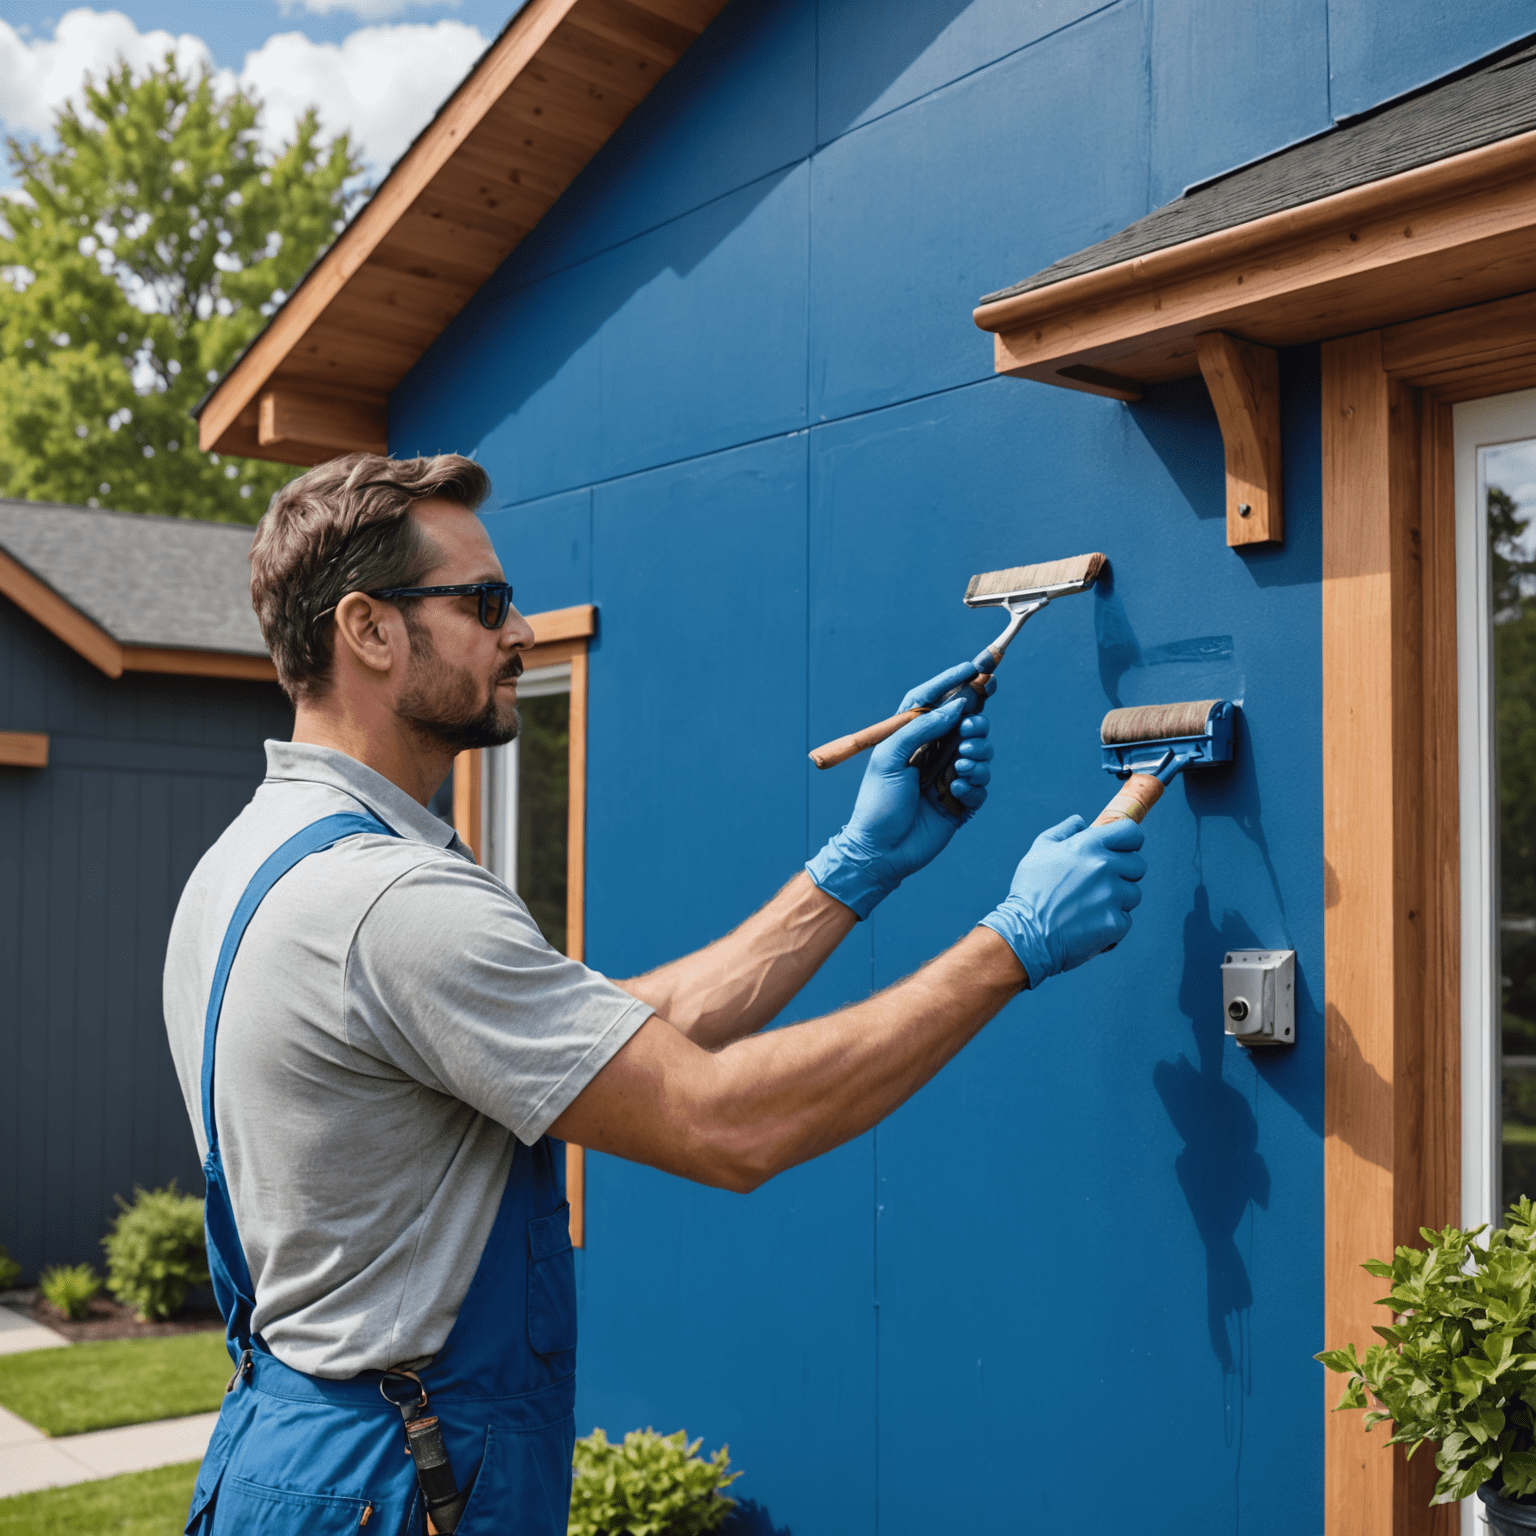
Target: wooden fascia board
{"points": [[39, 601], [465, 110], [1460, 230], [87, 638], [190, 663]]}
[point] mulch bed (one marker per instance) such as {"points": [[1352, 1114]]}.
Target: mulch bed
{"points": [[109, 1319]]}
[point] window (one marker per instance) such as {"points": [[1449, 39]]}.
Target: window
{"points": [[525, 807], [522, 808], [1496, 663]]}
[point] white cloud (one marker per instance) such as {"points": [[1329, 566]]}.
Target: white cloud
{"points": [[38, 75], [381, 83], [368, 10]]}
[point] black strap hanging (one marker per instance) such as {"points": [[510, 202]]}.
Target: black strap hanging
{"points": [[424, 1445]]}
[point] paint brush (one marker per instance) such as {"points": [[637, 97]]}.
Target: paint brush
{"points": [[1023, 590]]}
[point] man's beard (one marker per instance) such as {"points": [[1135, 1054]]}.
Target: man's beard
{"points": [[441, 704]]}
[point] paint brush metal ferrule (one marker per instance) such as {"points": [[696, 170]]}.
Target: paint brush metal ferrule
{"points": [[1019, 613]]}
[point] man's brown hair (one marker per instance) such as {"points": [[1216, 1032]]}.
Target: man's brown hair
{"points": [[344, 527]]}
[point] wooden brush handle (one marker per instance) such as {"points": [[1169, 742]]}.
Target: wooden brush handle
{"points": [[844, 747], [1132, 800]]}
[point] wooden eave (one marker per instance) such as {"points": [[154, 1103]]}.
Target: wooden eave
{"points": [[1439, 237], [87, 638], [546, 96]]}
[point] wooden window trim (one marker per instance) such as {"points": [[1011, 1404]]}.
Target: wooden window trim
{"points": [[561, 637], [1392, 1118]]}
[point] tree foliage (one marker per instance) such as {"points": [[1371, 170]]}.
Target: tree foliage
{"points": [[148, 247]]}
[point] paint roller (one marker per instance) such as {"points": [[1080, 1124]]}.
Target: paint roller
{"points": [[1022, 590], [1150, 745]]}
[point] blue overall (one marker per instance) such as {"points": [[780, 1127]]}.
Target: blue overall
{"points": [[294, 1453]]}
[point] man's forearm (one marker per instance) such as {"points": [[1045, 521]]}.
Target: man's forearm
{"points": [[735, 985], [740, 1115]]}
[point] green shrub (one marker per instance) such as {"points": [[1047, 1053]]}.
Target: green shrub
{"points": [[651, 1485], [70, 1288], [10, 1270], [155, 1251], [1458, 1368]]}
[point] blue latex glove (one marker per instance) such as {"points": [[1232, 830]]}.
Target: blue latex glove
{"points": [[896, 827], [1071, 896]]}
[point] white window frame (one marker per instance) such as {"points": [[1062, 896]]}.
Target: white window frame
{"points": [[500, 774]]}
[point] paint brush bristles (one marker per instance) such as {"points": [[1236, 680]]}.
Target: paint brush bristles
{"points": [[1055, 578]]}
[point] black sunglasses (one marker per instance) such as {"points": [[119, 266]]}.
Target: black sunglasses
{"points": [[495, 598]]}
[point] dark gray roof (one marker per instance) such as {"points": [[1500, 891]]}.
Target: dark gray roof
{"points": [[168, 582], [1492, 100]]}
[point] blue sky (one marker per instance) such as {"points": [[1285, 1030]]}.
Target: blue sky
{"points": [[378, 68]]}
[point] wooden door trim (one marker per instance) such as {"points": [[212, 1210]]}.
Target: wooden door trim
{"points": [[1392, 1156]]}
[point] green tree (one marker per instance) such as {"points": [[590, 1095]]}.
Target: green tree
{"points": [[148, 248]]}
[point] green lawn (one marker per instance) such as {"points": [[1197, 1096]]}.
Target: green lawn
{"points": [[136, 1504], [122, 1381]]}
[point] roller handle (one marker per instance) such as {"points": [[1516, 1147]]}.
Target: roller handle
{"points": [[839, 751], [1132, 800]]}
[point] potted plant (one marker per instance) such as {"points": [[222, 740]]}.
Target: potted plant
{"points": [[1457, 1369]]}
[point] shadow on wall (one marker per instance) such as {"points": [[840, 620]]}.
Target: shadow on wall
{"points": [[553, 318], [1219, 1169], [749, 1518]]}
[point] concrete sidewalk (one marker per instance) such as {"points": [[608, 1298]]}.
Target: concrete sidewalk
{"points": [[19, 1332], [29, 1460]]}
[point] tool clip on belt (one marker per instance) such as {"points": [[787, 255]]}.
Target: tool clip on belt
{"points": [[424, 1445]]}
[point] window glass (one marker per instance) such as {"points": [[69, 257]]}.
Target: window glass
{"points": [[526, 816], [1507, 487]]}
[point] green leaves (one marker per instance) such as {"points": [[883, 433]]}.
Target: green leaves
{"points": [[149, 248], [651, 1485], [155, 1250], [1458, 1368]]}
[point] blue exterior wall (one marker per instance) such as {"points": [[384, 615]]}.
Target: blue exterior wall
{"points": [[144, 772], [730, 391]]}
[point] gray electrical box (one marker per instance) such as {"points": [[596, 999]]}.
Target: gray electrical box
{"points": [[1258, 996]]}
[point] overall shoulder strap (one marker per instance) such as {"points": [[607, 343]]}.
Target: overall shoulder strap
{"points": [[316, 836], [227, 1267]]}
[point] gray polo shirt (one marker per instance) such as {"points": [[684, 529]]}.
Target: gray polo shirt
{"points": [[394, 1025]]}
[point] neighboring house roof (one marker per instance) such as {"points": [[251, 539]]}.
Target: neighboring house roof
{"points": [[135, 593], [544, 98], [1490, 101]]}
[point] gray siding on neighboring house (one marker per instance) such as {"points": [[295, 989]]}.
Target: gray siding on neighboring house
{"points": [[144, 773]]}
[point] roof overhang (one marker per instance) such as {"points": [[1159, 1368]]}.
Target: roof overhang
{"points": [[1443, 236], [545, 97], [105, 652]]}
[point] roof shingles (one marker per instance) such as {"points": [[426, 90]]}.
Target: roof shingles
{"points": [[165, 582], [1493, 101]]}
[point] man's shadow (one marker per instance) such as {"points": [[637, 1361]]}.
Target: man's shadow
{"points": [[1219, 1169]]}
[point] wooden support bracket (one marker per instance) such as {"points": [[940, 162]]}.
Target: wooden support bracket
{"points": [[23, 749], [1244, 381], [313, 423]]}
